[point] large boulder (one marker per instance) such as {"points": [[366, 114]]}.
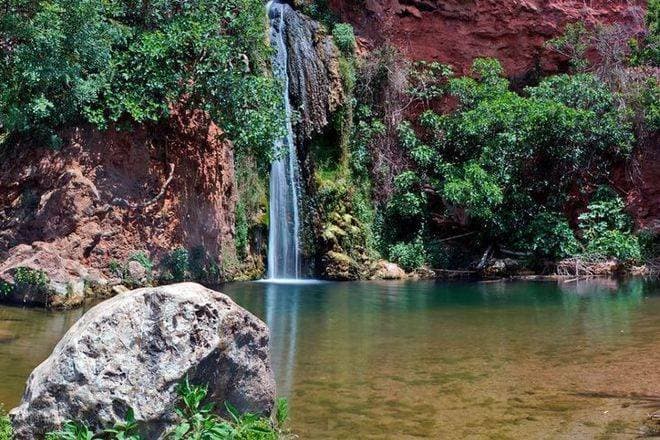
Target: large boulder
{"points": [[131, 351]]}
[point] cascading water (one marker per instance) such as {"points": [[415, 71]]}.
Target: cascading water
{"points": [[284, 231]]}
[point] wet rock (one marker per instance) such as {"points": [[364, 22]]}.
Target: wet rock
{"points": [[131, 351], [315, 85], [385, 270], [340, 267]]}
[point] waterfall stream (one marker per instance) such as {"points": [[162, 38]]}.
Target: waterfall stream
{"points": [[284, 226]]}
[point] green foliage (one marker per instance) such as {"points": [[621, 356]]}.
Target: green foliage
{"points": [[197, 421], [552, 237], [242, 229], [607, 228], [471, 187], [111, 61], [408, 255], [144, 260], [573, 44], [429, 80], [177, 264], [344, 38], [408, 202], [504, 164], [71, 431], [6, 430], [647, 51], [28, 278], [202, 267]]}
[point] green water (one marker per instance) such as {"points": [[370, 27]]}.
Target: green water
{"points": [[433, 360]]}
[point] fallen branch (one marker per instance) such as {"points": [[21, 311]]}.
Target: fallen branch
{"points": [[455, 237]]}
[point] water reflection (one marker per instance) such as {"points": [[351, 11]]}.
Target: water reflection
{"points": [[427, 359]]}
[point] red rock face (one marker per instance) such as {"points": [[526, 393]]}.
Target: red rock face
{"points": [[457, 31], [639, 180], [106, 195]]}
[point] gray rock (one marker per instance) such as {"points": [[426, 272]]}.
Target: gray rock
{"points": [[133, 350], [137, 272]]}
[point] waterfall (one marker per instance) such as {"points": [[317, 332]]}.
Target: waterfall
{"points": [[284, 227]]}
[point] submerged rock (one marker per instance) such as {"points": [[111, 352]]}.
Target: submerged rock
{"points": [[131, 351]]}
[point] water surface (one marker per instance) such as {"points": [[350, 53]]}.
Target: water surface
{"points": [[433, 360]]}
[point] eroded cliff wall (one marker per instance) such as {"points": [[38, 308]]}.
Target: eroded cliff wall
{"points": [[106, 195], [457, 31]]}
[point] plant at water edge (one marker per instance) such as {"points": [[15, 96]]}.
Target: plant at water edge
{"points": [[198, 421], [6, 431]]}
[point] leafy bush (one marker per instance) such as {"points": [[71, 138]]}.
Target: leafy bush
{"points": [[552, 237], [177, 264], [409, 255], [344, 37], [144, 260], [408, 202], [607, 228], [111, 62], [473, 188], [504, 158], [197, 421], [6, 431]]}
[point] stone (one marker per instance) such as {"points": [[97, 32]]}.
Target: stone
{"points": [[137, 272], [67, 279], [386, 270], [340, 267], [119, 289], [132, 350]]}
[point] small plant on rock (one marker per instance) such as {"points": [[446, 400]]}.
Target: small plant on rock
{"points": [[344, 37]]}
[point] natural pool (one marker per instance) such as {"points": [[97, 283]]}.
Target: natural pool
{"points": [[432, 360]]}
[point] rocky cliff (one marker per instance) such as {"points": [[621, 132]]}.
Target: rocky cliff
{"points": [[457, 31], [106, 195]]}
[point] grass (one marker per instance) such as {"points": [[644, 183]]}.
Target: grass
{"points": [[5, 425]]}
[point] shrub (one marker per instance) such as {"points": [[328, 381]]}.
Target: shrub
{"points": [[607, 228], [502, 159], [144, 260], [409, 255], [6, 431], [552, 237], [344, 37], [26, 277], [618, 244], [177, 264]]}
